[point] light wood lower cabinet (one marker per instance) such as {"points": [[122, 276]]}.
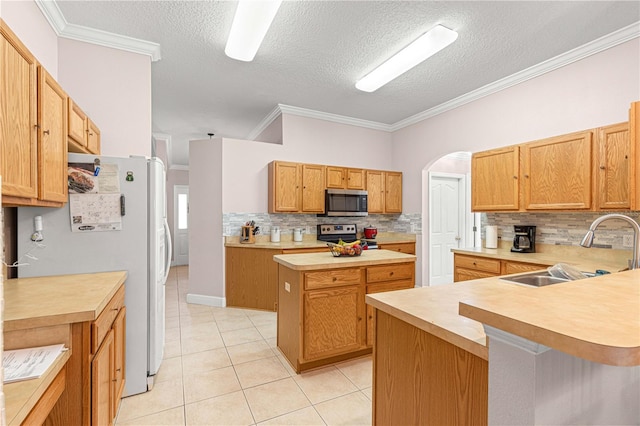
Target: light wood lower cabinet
{"points": [[419, 379], [322, 315], [407, 248], [107, 364], [251, 276], [467, 268]]}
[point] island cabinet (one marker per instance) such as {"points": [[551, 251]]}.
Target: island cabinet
{"points": [[467, 267], [322, 316]]}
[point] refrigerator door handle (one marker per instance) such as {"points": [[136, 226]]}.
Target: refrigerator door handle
{"points": [[169, 250]]}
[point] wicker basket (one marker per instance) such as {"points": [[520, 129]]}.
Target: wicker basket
{"points": [[336, 251]]}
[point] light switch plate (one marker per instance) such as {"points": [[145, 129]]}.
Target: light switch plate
{"points": [[287, 287]]}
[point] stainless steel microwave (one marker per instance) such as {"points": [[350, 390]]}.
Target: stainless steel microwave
{"points": [[345, 202]]}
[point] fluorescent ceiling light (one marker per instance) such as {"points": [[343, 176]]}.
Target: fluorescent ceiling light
{"points": [[423, 47], [250, 24]]}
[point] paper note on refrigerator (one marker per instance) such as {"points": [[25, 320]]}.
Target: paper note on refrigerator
{"points": [[95, 212]]}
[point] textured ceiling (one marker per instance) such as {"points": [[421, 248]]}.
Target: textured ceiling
{"points": [[316, 50]]}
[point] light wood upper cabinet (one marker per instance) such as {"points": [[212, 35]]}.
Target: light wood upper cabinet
{"points": [[613, 167], [18, 136], [557, 173], [52, 139], [494, 179], [393, 192], [84, 135], [296, 187], [345, 178], [313, 185], [375, 191], [336, 177], [634, 139], [284, 187]]}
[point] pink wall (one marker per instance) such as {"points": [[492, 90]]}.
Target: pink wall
{"points": [[592, 92], [305, 140], [114, 88], [29, 24], [206, 251]]}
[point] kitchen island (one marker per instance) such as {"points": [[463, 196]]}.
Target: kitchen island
{"points": [[430, 362], [322, 317]]}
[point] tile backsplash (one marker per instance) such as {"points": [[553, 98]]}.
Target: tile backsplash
{"points": [[404, 223], [566, 228]]}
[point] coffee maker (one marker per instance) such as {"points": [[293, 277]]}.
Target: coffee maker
{"points": [[524, 240]]}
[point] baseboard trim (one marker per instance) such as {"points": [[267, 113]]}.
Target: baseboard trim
{"points": [[200, 299]]}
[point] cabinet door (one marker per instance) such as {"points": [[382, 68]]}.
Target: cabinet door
{"points": [[494, 179], [119, 351], [93, 137], [355, 179], [313, 184], [375, 190], [18, 139], [52, 139], [557, 173], [335, 177], [634, 139], [77, 127], [393, 192], [613, 167], [284, 187], [102, 383], [332, 322]]}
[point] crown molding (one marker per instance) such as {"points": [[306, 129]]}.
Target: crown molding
{"points": [[266, 122], [62, 28], [342, 119], [603, 43]]}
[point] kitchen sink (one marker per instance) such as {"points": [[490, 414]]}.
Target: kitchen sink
{"points": [[539, 278]]}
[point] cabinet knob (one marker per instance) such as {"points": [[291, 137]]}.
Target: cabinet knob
{"points": [[515, 177], [391, 274], [119, 369], [474, 263], [335, 279], [527, 176], [45, 132], [601, 167]]}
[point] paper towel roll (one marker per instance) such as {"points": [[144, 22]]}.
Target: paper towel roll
{"points": [[491, 237]]}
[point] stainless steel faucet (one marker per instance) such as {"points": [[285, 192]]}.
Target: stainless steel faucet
{"points": [[587, 241]]}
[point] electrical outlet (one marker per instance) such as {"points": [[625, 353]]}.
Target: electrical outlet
{"points": [[227, 230], [627, 241]]}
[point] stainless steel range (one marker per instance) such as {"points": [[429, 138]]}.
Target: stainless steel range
{"points": [[346, 233]]}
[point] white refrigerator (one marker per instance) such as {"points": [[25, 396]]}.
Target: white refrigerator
{"points": [[141, 246]]}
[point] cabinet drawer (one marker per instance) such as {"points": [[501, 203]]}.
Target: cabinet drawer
{"points": [[515, 267], [389, 286], [462, 274], [401, 271], [478, 263], [408, 248], [333, 278], [101, 326]]}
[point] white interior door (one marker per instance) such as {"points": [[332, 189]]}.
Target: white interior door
{"points": [[446, 224], [181, 224]]}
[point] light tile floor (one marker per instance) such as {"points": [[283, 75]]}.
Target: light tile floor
{"points": [[222, 367]]}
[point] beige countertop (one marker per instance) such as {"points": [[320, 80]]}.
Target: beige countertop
{"points": [[61, 299], [547, 254], [597, 318], [313, 261], [21, 397], [310, 241]]}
